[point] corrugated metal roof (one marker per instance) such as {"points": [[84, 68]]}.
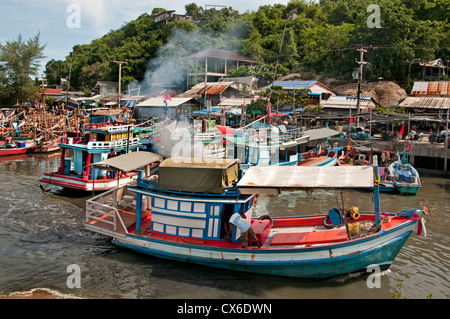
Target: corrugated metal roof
{"points": [[346, 102], [298, 85], [193, 91], [431, 88], [426, 102], [291, 85], [213, 89]]}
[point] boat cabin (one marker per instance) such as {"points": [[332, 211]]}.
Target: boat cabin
{"points": [[118, 138], [193, 198], [78, 155]]}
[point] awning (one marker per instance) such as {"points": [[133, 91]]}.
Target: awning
{"points": [[260, 179], [320, 133], [128, 162], [201, 175]]}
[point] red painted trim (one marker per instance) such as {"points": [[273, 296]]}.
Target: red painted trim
{"points": [[13, 151]]}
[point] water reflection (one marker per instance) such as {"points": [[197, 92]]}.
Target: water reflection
{"points": [[42, 233]]}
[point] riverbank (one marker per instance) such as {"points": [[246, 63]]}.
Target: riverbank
{"points": [[38, 293]]}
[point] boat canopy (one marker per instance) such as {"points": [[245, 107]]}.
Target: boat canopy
{"points": [[128, 162], [263, 179], [197, 174], [321, 133]]}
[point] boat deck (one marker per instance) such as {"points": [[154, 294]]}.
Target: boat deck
{"points": [[312, 161], [284, 233]]}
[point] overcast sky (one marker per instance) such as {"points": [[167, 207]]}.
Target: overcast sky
{"points": [[65, 23]]}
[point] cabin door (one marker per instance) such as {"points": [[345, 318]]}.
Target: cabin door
{"points": [[213, 225]]}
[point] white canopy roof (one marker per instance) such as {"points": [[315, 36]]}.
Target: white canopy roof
{"points": [[159, 102], [128, 162], [276, 177], [320, 133]]}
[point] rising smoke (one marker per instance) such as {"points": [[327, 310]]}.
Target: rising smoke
{"points": [[168, 71]]}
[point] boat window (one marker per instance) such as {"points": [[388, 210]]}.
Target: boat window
{"points": [[214, 211], [199, 207], [159, 202], [183, 231], [185, 206], [172, 204]]}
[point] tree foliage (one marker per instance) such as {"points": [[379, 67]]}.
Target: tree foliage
{"points": [[305, 37], [19, 60]]}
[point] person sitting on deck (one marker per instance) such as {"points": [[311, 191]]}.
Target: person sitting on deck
{"points": [[238, 220]]}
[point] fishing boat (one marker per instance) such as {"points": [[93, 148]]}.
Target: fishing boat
{"points": [[281, 147], [48, 145], [77, 155], [404, 176], [181, 214], [319, 157], [14, 148]]}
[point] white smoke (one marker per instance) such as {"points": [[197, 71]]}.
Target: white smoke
{"points": [[168, 70]]}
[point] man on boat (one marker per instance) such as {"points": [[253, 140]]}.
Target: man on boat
{"points": [[239, 220]]}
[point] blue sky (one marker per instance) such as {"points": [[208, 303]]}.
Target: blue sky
{"points": [[56, 20]]}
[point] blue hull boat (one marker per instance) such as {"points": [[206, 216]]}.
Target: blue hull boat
{"points": [[183, 215]]}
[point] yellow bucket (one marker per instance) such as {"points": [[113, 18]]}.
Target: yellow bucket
{"points": [[353, 228]]}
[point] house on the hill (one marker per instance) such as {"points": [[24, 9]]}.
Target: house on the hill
{"points": [[434, 69], [104, 88], [318, 91], [164, 17], [346, 103], [165, 107], [213, 93], [210, 65]]}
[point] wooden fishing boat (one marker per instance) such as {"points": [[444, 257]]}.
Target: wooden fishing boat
{"points": [[182, 215], [404, 176], [48, 145], [14, 148], [75, 171], [319, 157]]}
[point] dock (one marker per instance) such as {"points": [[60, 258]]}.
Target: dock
{"points": [[424, 155]]}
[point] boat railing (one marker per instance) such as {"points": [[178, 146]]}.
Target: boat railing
{"points": [[207, 136], [112, 144], [100, 214]]}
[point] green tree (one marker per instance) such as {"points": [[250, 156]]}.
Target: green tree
{"points": [[19, 60], [55, 70]]}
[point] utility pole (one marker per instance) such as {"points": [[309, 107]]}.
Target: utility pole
{"points": [[120, 77], [361, 64], [43, 93], [68, 82]]}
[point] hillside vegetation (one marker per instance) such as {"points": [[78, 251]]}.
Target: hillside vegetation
{"points": [[303, 37]]}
